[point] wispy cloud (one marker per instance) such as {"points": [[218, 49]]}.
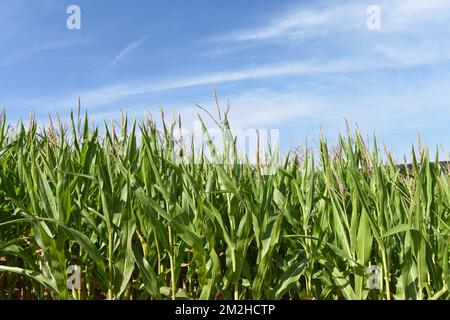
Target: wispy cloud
{"points": [[388, 57], [403, 14], [110, 94], [299, 22], [335, 16], [127, 50], [33, 51], [385, 108]]}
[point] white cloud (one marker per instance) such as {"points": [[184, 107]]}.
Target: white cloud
{"points": [[113, 93], [336, 16], [406, 13], [387, 108], [30, 52], [127, 50], [266, 108], [386, 57], [299, 22]]}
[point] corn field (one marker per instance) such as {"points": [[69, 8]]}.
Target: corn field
{"points": [[112, 200]]}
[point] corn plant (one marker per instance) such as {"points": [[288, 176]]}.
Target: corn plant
{"points": [[114, 200]]}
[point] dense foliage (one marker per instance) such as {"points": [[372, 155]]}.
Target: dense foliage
{"points": [[142, 226]]}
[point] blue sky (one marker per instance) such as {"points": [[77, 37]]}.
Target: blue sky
{"points": [[299, 66]]}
